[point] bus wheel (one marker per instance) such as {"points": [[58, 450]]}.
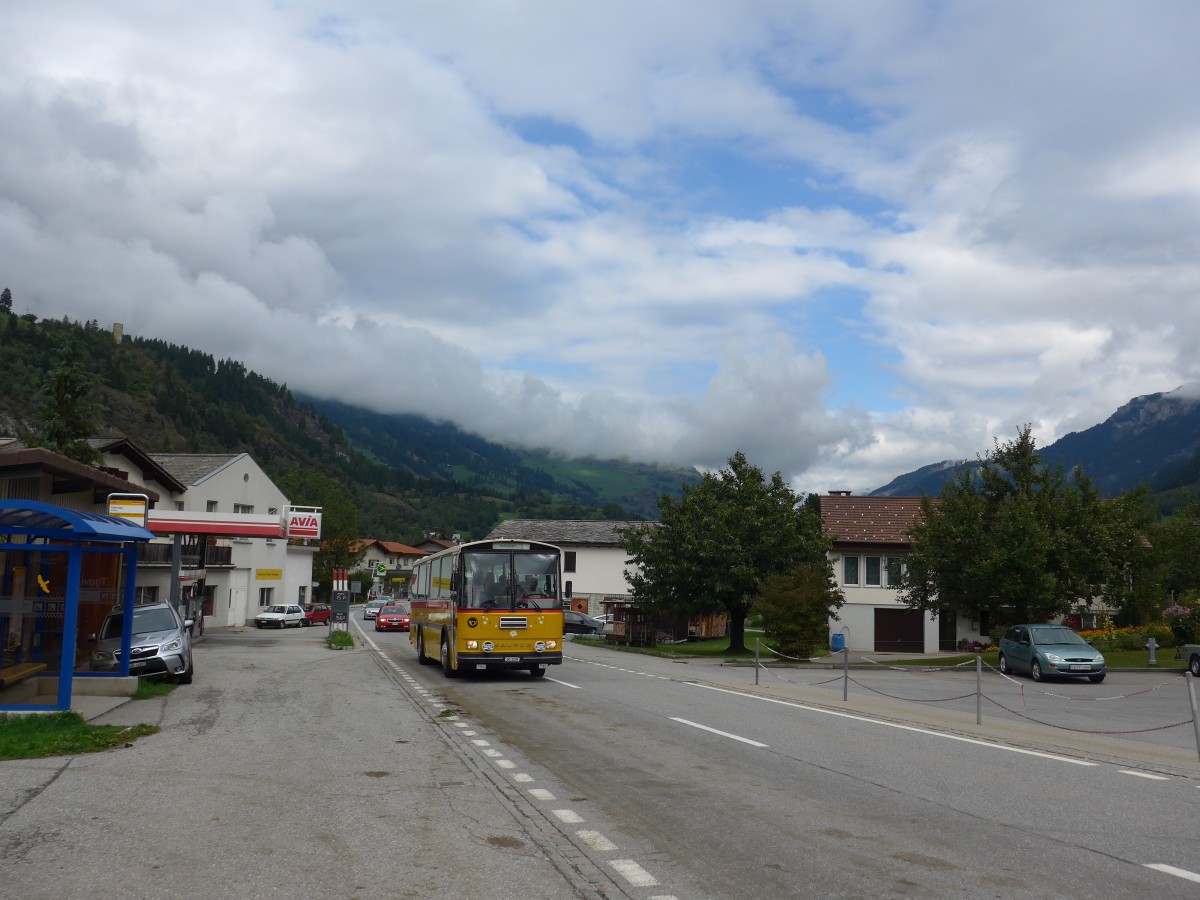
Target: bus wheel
{"points": [[446, 669], [422, 657], [537, 671]]}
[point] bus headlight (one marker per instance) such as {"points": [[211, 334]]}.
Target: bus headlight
{"points": [[488, 647], [472, 645], [540, 646], [551, 644]]}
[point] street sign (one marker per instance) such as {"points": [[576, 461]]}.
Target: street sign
{"points": [[381, 570], [341, 608]]}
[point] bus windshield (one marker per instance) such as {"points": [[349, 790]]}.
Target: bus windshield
{"points": [[502, 580]]}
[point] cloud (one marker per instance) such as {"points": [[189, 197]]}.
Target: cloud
{"points": [[848, 240]]}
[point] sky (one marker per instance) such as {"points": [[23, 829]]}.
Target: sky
{"points": [[848, 239]]}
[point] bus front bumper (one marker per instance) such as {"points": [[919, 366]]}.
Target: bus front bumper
{"points": [[495, 661]]}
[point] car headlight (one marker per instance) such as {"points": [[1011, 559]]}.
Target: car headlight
{"points": [[472, 645], [1054, 658], [103, 656], [171, 646], [1099, 658]]}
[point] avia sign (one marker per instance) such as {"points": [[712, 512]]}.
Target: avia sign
{"points": [[303, 524]]}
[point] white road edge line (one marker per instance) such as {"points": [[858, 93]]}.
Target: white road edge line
{"points": [[564, 683], [952, 737], [1172, 870], [732, 737], [633, 873], [1152, 776]]}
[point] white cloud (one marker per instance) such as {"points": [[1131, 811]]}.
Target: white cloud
{"points": [[849, 240]]}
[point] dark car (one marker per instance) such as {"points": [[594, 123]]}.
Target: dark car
{"points": [[317, 613], [578, 623], [1050, 650], [391, 618]]}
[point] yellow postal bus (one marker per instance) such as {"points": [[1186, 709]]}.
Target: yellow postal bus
{"points": [[488, 605]]}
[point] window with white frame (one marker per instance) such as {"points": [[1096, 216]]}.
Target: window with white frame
{"points": [[873, 571], [243, 508], [264, 596], [850, 570], [893, 571], [146, 594], [210, 506]]}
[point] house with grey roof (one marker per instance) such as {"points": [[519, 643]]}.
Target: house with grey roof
{"points": [[594, 562]]}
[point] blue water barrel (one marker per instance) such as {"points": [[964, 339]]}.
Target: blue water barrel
{"points": [[837, 642]]}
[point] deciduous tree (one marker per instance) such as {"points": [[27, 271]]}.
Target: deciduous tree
{"points": [[717, 545], [65, 416], [1023, 541]]}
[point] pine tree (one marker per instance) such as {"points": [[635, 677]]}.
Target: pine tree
{"points": [[65, 416], [6, 302]]}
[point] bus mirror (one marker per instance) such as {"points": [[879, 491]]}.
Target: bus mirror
{"points": [[567, 592], [454, 582]]}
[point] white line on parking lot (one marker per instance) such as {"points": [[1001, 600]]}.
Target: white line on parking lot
{"points": [[1172, 870], [941, 734], [732, 737]]}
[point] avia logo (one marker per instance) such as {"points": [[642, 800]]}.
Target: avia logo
{"points": [[304, 522]]}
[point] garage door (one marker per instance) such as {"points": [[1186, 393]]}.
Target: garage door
{"points": [[899, 631]]}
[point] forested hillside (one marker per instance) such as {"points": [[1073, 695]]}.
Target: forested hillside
{"points": [[406, 476]]}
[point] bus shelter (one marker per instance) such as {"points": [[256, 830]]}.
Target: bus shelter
{"points": [[61, 571]]}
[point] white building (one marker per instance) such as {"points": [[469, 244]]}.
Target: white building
{"points": [[594, 562], [228, 518]]}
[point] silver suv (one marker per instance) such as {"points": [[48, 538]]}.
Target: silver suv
{"points": [[160, 644]]}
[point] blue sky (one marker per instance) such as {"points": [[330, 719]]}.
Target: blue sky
{"points": [[847, 239]]}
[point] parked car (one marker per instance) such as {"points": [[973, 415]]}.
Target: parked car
{"points": [[317, 613], [392, 617], [281, 616], [1050, 650], [161, 643], [578, 623], [373, 607]]}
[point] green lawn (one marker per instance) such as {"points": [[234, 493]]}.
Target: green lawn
{"points": [[61, 734]]}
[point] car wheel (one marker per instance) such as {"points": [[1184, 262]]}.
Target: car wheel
{"points": [[1004, 669], [1194, 666], [305, 622], [186, 677], [447, 669], [1096, 679], [537, 671], [422, 659], [258, 624], [1035, 670]]}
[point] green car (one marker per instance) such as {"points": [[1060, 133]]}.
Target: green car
{"points": [[1050, 650]]}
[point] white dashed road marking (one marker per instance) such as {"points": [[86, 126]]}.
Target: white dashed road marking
{"points": [[732, 737]]}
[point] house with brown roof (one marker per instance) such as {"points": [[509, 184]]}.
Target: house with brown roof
{"points": [[395, 558], [870, 540]]}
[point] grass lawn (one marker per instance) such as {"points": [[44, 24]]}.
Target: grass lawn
{"points": [[36, 735]]}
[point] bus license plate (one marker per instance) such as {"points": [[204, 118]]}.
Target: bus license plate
{"points": [[512, 659]]}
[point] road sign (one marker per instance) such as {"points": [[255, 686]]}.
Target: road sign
{"points": [[381, 570]]}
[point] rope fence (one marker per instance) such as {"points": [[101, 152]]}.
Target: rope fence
{"points": [[979, 666]]}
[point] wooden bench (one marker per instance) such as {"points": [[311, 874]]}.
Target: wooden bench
{"points": [[11, 675]]}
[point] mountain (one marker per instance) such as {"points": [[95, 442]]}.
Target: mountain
{"points": [[406, 476], [1154, 440]]}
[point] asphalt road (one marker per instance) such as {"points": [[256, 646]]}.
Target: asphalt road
{"points": [[288, 769], [728, 789]]}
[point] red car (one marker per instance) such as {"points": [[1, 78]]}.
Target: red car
{"points": [[317, 613], [391, 618]]}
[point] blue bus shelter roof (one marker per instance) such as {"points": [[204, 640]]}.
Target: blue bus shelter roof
{"points": [[38, 519]]}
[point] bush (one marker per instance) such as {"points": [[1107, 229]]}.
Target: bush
{"points": [[1184, 622]]}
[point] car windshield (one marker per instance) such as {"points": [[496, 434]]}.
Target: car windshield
{"points": [[1055, 635], [277, 609], [393, 611], [145, 621]]}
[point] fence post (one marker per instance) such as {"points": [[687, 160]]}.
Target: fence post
{"points": [[978, 690], [756, 660], [1191, 683], [846, 673]]}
